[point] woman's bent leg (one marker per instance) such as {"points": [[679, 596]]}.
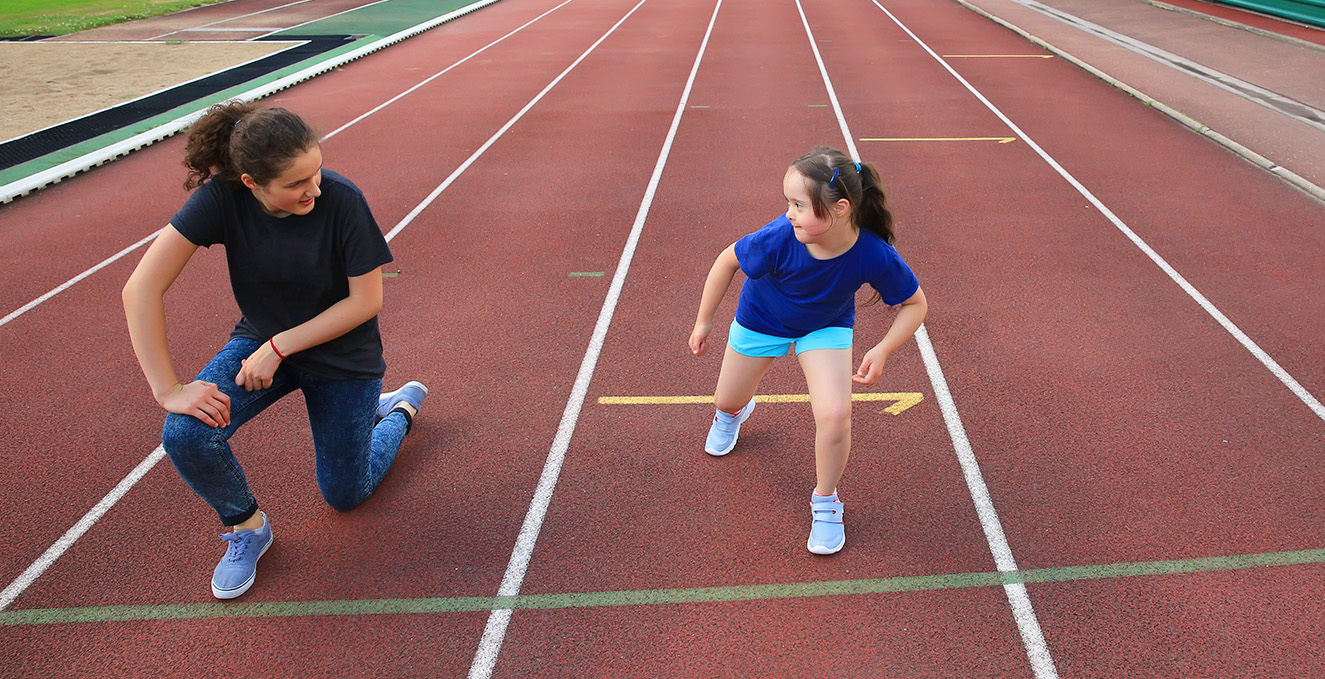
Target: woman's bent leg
{"points": [[201, 453], [353, 455]]}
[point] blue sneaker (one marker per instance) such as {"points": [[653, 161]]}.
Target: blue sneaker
{"points": [[725, 429], [412, 393], [239, 567], [827, 532]]}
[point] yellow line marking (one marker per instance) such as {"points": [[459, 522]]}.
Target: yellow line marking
{"points": [[1001, 140], [904, 400], [998, 56]]}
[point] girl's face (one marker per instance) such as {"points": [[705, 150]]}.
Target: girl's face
{"points": [[800, 211], [295, 190]]}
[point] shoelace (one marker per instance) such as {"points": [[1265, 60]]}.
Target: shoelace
{"points": [[238, 545]]}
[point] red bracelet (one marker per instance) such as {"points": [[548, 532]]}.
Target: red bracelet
{"points": [[272, 342]]}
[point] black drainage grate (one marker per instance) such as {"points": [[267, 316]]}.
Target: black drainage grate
{"points": [[52, 139]]}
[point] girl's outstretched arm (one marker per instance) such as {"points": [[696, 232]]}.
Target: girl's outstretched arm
{"points": [[909, 317], [145, 310], [715, 288]]}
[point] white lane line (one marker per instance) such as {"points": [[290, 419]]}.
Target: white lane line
{"points": [[485, 658], [438, 74], [67, 540], [1028, 625], [200, 27], [1273, 366], [492, 140], [29, 575], [64, 286], [313, 21]]}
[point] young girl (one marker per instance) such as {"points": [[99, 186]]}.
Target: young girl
{"points": [[305, 258], [803, 270]]}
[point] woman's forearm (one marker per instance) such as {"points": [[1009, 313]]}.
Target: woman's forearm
{"points": [[338, 319], [363, 303], [146, 315]]}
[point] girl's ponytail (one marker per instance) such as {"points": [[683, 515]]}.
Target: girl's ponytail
{"points": [[872, 212], [236, 138], [207, 151]]}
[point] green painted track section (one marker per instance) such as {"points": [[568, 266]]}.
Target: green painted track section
{"points": [[657, 597], [1306, 11], [380, 20], [372, 23]]}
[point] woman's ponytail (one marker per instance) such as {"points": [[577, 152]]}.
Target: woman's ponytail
{"points": [[236, 138], [207, 151]]}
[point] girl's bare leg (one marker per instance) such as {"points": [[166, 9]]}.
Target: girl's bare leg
{"points": [[738, 379], [828, 376]]}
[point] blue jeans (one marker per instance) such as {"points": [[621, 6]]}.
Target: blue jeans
{"points": [[354, 450]]}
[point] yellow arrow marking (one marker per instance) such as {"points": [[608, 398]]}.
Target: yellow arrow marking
{"points": [[998, 56], [1001, 140], [904, 400]]}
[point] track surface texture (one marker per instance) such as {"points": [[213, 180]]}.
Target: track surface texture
{"points": [[1113, 469]]}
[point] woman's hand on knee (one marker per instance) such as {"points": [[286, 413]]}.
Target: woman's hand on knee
{"points": [[257, 370], [202, 400]]}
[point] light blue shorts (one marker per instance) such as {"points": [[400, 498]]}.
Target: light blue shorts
{"points": [[750, 343]]}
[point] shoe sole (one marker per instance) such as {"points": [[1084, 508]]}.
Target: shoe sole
{"points": [[415, 383], [243, 587], [735, 436], [825, 550]]}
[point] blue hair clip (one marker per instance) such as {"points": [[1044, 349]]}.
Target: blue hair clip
{"points": [[832, 178], [857, 168], [237, 122]]}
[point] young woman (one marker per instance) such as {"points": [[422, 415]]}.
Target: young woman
{"points": [[803, 270], [305, 259]]}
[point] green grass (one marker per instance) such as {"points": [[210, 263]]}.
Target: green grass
{"points": [[57, 17]]}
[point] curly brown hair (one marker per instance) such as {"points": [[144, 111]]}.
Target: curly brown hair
{"points": [[236, 138]]}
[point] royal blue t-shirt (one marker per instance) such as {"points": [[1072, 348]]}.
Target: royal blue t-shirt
{"points": [[286, 270], [788, 293]]}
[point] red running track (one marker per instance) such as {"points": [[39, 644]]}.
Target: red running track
{"points": [[1113, 419]]}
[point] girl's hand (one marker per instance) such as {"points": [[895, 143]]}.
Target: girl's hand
{"points": [[699, 338], [871, 367], [257, 370], [202, 400]]}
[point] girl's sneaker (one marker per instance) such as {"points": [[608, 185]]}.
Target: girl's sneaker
{"points": [[412, 393], [239, 567], [725, 429], [827, 532]]}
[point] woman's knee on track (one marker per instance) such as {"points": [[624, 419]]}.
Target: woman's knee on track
{"points": [[185, 436], [342, 497]]}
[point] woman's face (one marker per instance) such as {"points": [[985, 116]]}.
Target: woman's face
{"points": [[294, 191]]}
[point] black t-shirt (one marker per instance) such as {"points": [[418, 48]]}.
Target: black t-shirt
{"points": [[286, 270]]}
